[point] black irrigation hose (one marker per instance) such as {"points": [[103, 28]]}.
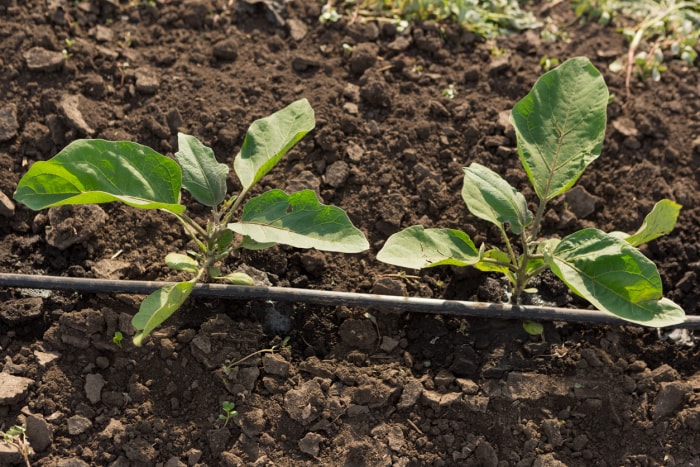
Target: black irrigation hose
{"points": [[324, 297]]}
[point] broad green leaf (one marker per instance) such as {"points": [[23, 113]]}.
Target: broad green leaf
{"points": [[269, 139], [614, 276], [97, 171], [418, 248], [560, 126], [490, 197], [660, 221], [181, 262], [299, 220], [158, 307], [202, 175], [237, 278]]}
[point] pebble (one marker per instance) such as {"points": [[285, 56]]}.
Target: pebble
{"points": [[146, 82], [358, 333], [364, 56], [21, 310], [275, 364], [69, 106], [13, 389], [39, 432], [226, 49], [412, 391], [8, 123], [40, 59], [93, 387], [311, 444], [670, 398], [297, 29], [305, 63], [581, 202], [337, 173], [78, 424]]}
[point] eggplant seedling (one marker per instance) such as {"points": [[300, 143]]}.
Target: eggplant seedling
{"points": [[98, 171], [560, 127]]}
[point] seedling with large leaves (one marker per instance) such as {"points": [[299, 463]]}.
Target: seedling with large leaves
{"points": [[98, 171], [560, 127]]}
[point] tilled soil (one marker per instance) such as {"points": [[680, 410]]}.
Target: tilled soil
{"points": [[350, 386]]}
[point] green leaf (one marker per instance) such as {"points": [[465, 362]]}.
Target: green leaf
{"points": [[418, 248], [560, 126], [614, 276], [533, 328], [660, 221], [202, 175], [181, 262], [494, 254], [299, 220], [224, 240], [237, 278], [490, 197], [97, 171], [158, 307], [269, 139]]}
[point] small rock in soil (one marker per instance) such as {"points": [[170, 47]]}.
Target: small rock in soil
{"points": [[305, 63], [275, 364], [174, 462], [551, 429], [69, 107], [363, 57], [311, 444], [252, 422], [377, 93], [93, 387], [297, 29], [389, 286], [140, 451], [108, 268], [45, 358], [218, 439], [303, 404], [580, 202], [38, 432], [8, 122], [13, 389], [358, 333], [40, 59], [410, 395], [21, 310], [226, 49], [74, 224], [78, 424], [486, 454], [670, 398], [337, 173], [10, 455], [146, 81], [7, 207], [71, 462]]}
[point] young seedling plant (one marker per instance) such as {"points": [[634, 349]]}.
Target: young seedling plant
{"points": [[99, 171], [560, 126]]}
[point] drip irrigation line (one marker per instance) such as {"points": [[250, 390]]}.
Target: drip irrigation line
{"points": [[325, 297]]}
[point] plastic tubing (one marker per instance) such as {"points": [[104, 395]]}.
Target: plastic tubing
{"points": [[325, 297]]}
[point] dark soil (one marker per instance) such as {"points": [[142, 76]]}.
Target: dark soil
{"points": [[388, 148]]}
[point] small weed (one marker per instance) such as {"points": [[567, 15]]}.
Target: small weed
{"points": [[229, 412], [117, 339], [16, 436]]}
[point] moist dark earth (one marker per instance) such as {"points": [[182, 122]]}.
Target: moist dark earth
{"points": [[350, 386]]}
